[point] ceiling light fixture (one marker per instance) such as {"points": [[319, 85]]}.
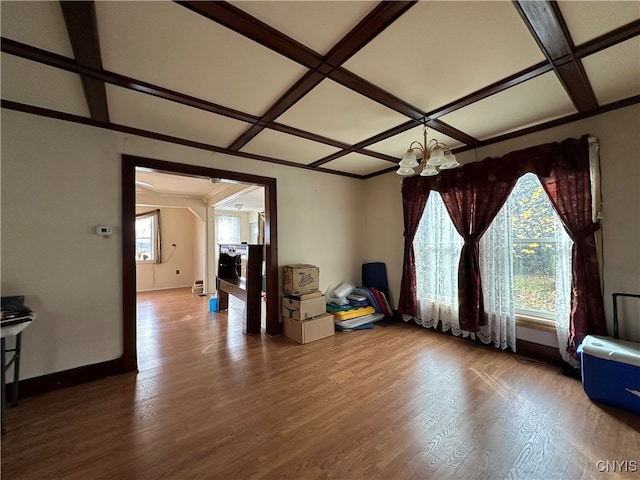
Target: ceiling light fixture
{"points": [[238, 206], [434, 156]]}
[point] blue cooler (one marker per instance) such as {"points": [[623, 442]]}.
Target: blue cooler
{"points": [[611, 371]]}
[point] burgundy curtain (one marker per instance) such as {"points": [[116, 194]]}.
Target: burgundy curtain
{"points": [[568, 186], [414, 198], [474, 193], [472, 209]]}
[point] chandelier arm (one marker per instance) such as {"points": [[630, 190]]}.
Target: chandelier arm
{"points": [[421, 147], [433, 143]]}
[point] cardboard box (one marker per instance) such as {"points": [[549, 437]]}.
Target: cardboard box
{"points": [[307, 296], [300, 279], [303, 309], [306, 331]]}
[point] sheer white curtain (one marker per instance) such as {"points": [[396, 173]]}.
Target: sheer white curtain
{"points": [[227, 229], [496, 271], [437, 245], [563, 290]]}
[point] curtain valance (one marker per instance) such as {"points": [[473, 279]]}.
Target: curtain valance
{"points": [[570, 154]]}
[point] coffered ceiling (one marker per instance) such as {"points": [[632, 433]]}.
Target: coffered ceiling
{"points": [[340, 87]]}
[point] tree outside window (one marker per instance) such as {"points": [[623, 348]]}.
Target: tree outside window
{"points": [[537, 237]]}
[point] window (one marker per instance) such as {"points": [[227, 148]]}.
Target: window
{"points": [[540, 248], [525, 258], [437, 245], [227, 229], [148, 237]]}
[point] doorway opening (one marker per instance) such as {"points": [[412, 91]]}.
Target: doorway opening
{"points": [[129, 165]]}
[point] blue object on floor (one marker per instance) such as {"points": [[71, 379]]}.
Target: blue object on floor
{"points": [[372, 299], [366, 326], [213, 304], [611, 371], [374, 275]]}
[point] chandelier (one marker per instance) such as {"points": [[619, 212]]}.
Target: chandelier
{"points": [[434, 156]]}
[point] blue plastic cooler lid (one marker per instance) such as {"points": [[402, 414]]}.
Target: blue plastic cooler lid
{"points": [[612, 349]]}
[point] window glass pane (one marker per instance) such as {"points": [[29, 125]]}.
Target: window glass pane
{"points": [[144, 238], [535, 229], [532, 213], [227, 229], [534, 275]]}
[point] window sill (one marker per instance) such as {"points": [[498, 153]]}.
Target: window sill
{"points": [[535, 323], [145, 261]]}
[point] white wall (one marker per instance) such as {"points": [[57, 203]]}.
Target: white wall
{"points": [[619, 135], [60, 180]]}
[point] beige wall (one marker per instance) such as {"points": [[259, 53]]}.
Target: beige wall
{"points": [[619, 135], [60, 180], [199, 248], [177, 226]]}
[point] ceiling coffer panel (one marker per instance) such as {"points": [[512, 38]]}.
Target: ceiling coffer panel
{"points": [[536, 101], [440, 51], [42, 86], [357, 164], [154, 114], [318, 25], [40, 24], [340, 87], [288, 147], [170, 46], [624, 59], [337, 112], [587, 20]]}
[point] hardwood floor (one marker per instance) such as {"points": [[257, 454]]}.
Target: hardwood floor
{"points": [[394, 402]]}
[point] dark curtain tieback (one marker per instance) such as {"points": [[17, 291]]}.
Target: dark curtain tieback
{"points": [[585, 233]]}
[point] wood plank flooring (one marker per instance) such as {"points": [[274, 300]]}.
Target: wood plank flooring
{"points": [[394, 402]]}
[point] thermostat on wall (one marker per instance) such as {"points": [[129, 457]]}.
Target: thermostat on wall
{"points": [[103, 230]]}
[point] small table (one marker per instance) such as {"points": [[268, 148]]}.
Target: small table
{"points": [[11, 327], [250, 295]]}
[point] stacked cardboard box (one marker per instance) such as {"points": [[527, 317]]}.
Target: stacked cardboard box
{"points": [[304, 315]]}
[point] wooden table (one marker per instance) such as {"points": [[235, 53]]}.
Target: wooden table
{"points": [[250, 294]]}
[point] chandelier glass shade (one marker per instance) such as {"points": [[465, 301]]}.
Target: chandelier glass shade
{"points": [[432, 156]]}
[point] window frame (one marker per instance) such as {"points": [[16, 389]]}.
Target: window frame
{"points": [[524, 317], [154, 240]]}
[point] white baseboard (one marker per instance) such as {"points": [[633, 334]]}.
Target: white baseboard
{"points": [[164, 288]]}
